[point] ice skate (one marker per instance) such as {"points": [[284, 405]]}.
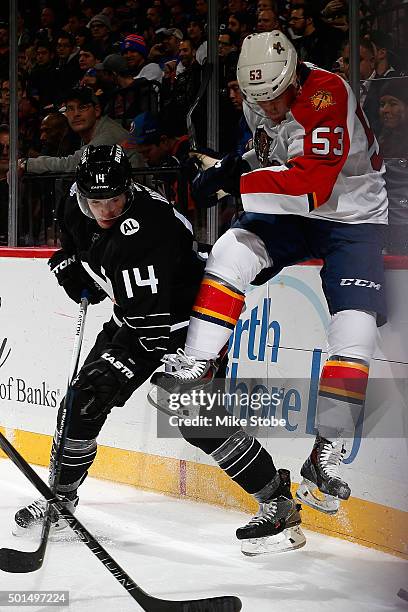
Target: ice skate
{"points": [[182, 374], [276, 526], [29, 520], [322, 488]]}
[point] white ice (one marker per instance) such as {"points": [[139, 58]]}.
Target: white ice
{"points": [[178, 549]]}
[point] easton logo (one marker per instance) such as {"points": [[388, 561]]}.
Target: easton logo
{"points": [[359, 282], [278, 48], [66, 262], [118, 365], [129, 227]]}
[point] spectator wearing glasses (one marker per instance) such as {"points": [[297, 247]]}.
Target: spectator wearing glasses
{"points": [[102, 37], [227, 44], [85, 118], [316, 42]]}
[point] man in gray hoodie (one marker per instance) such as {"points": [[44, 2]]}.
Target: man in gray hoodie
{"points": [[85, 118]]}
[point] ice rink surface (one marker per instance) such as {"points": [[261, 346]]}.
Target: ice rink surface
{"points": [[181, 549]]}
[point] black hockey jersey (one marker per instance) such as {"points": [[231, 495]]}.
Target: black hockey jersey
{"points": [[145, 263]]}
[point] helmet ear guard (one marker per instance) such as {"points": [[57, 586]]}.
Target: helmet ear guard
{"points": [[266, 66]]}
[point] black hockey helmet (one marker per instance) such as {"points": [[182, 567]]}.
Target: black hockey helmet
{"points": [[103, 173]]}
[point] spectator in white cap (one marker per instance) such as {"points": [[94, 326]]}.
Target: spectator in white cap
{"points": [[167, 50], [134, 49]]}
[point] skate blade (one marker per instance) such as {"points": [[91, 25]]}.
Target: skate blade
{"points": [[162, 401], [291, 538], [163, 404], [34, 533], [309, 494]]}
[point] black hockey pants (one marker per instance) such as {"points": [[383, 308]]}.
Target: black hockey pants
{"points": [[80, 449]]}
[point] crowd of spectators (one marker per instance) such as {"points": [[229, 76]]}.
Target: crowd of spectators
{"points": [[94, 71]]}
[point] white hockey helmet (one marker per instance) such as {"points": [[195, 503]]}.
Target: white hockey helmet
{"points": [[266, 66]]}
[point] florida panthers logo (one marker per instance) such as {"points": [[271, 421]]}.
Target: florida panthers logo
{"points": [[322, 99]]}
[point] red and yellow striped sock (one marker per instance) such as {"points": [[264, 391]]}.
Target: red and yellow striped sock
{"points": [[344, 379], [219, 303]]}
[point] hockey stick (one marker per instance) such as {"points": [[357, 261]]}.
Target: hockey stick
{"points": [[149, 603], [207, 70], [18, 560]]}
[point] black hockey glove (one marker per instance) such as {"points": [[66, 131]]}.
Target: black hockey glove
{"points": [[225, 175], [73, 278], [104, 383]]}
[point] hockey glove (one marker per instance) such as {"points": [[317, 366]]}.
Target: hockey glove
{"points": [[73, 278], [224, 175], [104, 383]]}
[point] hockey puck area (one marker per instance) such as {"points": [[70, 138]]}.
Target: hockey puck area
{"points": [[181, 549]]}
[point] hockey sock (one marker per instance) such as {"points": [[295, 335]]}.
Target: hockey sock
{"points": [[216, 311], [246, 461], [77, 458], [342, 390]]}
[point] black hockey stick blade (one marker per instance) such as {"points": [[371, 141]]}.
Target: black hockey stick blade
{"points": [[403, 594], [19, 561], [149, 603]]}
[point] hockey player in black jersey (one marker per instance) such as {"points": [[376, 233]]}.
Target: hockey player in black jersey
{"points": [[125, 241]]}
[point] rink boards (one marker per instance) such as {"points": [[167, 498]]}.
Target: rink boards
{"points": [[278, 347]]}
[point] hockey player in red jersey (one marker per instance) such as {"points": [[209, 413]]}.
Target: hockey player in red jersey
{"points": [[312, 187]]}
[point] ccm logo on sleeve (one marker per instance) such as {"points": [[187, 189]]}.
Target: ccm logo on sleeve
{"points": [[118, 365], [359, 282]]}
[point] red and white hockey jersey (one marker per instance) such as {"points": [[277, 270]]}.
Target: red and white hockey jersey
{"points": [[326, 159]]}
